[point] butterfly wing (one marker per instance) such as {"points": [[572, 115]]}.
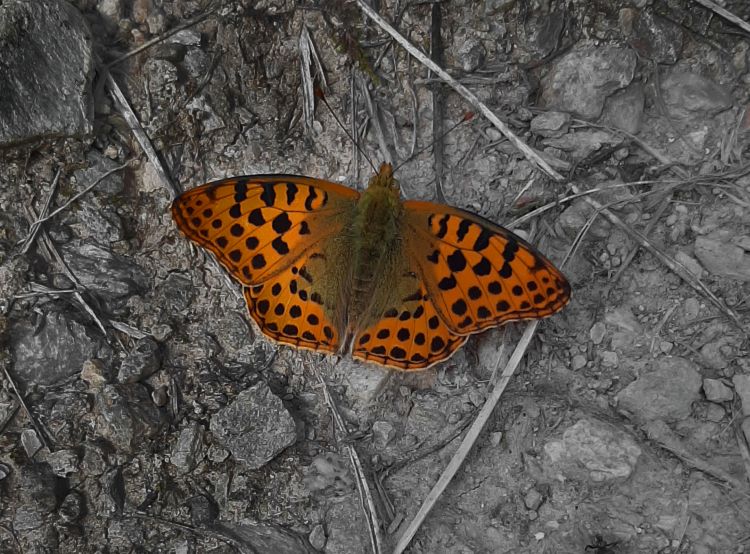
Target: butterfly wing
{"points": [[270, 233], [410, 336], [289, 309], [258, 225], [478, 274]]}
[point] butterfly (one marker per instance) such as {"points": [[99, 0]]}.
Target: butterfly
{"points": [[398, 283]]}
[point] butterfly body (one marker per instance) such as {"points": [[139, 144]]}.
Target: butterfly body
{"points": [[399, 283]]}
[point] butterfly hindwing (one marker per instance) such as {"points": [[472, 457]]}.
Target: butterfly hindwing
{"points": [[410, 335], [478, 274], [289, 310], [260, 224]]}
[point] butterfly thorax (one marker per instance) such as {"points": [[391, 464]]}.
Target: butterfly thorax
{"points": [[376, 250]]}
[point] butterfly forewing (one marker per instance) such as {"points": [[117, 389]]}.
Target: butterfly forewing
{"points": [[258, 225], [478, 274]]}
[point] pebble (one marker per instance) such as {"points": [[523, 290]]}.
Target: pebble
{"points": [[533, 499], [666, 393], [188, 445], [30, 441], [716, 391], [742, 388], [687, 94], [382, 433], [624, 319], [609, 359], [255, 427], [578, 362], [690, 263], [723, 259], [550, 124], [592, 450], [714, 412], [317, 537], [597, 332]]}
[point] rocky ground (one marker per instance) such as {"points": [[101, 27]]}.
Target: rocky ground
{"points": [[140, 411]]}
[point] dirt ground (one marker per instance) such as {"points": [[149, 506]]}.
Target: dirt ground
{"points": [[142, 411]]}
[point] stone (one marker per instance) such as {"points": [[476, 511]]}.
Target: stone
{"points": [[255, 427], [382, 433], [72, 507], [581, 80], [723, 259], [624, 319], [624, 109], [103, 272], [46, 67], [550, 124], [742, 388], [62, 462], [597, 332], [30, 442], [470, 54], [656, 38], [690, 263], [592, 450], [667, 392], [187, 447], [533, 499], [689, 94], [54, 348], [125, 415], [716, 391], [318, 537], [141, 362]]}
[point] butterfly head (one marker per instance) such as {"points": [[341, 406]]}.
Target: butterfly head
{"points": [[383, 179]]}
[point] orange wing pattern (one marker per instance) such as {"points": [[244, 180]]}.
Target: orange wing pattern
{"points": [[288, 310], [410, 336], [257, 226], [477, 274]]}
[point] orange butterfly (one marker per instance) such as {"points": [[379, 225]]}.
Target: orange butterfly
{"points": [[398, 283]]}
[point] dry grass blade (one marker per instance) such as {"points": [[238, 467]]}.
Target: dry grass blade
{"points": [[469, 440], [469, 96], [672, 264], [140, 135], [307, 52], [729, 16], [438, 101], [368, 504], [659, 432], [37, 427], [29, 240]]}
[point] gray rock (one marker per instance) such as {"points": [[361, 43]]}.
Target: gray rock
{"points": [[203, 510], [623, 318], [582, 144], [592, 450], [689, 94], [746, 428], [742, 388], [533, 499], [581, 80], [624, 109], [346, 527], [53, 349], [125, 534], [30, 442], [656, 38], [470, 55], [111, 12], [550, 124], [317, 537], [103, 272], [72, 507], [255, 427], [125, 415], [187, 448], [666, 393], [46, 68], [382, 433], [597, 332], [716, 391], [99, 164], [62, 462], [690, 263], [723, 259], [142, 362]]}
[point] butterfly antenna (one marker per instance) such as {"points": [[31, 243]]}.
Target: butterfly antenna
{"points": [[468, 116], [319, 94]]}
